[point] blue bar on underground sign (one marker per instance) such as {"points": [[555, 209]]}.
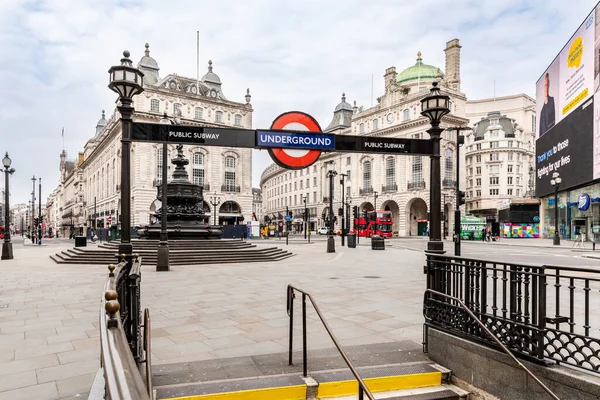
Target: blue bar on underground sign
{"points": [[313, 141]]}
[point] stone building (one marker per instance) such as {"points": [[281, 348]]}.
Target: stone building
{"points": [[90, 188], [385, 182], [499, 153], [257, 204]]}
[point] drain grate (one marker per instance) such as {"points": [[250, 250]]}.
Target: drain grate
{"points": [[372, 277]]}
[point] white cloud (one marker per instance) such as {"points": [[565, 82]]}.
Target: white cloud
{"points": [[292, 55]]}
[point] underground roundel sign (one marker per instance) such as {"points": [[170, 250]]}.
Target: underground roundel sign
{"points": [[295, 158]]}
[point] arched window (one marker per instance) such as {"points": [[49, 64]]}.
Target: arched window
{"points": [[114, 171], [367, 175], [159, 164], [176, 109], [390, 173], [237, 121], [219, 116], [198, 169], [108, 176], [406, 114], [375, 124], [449, 164], [361, 128], [155, 105], [198, 113], [229, 178]]}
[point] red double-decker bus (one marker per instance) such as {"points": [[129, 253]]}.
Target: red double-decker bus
{"points": [[375, 223]]}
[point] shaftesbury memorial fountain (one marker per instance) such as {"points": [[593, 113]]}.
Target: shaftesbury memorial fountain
{"points": [[186, 219]]}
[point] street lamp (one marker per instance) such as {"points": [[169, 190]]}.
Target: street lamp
{"points": [[305, 216], [330, 237], [7, 251], [375, 196], [33, 227], [342, 176], [555, 182], [162, 259], [126, 81], [40, 232], [214, 202], [434, 107]]}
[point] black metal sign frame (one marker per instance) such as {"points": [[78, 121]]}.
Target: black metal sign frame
{"points": [[232, 137]]}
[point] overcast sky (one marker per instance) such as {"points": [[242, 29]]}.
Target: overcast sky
{"points": [[300, 55]]}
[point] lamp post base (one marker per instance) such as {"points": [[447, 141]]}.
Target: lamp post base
{"points": [[125, 248], [556, 241], [435, 246], [162, 257], [331, 244], [7, 251]]}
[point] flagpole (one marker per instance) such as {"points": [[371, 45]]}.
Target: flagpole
{"points": [[63, 137]]}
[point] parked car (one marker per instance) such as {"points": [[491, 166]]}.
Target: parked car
{"points": [[323, 230]]}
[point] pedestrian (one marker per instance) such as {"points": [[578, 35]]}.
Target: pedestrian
{"points": [[483, 231]]}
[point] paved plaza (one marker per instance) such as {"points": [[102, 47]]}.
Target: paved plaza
{"points": [[49, 346]]}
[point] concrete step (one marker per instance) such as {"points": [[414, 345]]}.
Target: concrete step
{"points": [[62, 258]]}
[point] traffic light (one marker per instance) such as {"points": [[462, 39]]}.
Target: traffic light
{"points": [[340, 211], [35, 221], [461, 197], [355, 212], [42, 219]]}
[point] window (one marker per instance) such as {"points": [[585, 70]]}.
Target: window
{"points": [[518, 168], [348, 160], [478, 158], [494, 145], [449, 165], [494, 180], [470, 182], [417, 169], [478, 146], [367, 175], [533, 123], [219, 116], [510, 156], [375, 124], [478, 182], [315, 181], [348, 174], [295, 186], [155, 105], [301, 184], [494, 169], [307, 183], [494, 156], [198, 169], [518, 192], [509, 192], [314, 197], [229, 174], [478, 192], [509, 180], [295, 199], [361, 128], [314, 168], [159, 165], [518, 180], [494, 192], [510, 167], [494, 133], [470, 171], [176, 109], [237, 120], [198, 113], [510, 143], [390, 172], [478, 171], [406, 114]]}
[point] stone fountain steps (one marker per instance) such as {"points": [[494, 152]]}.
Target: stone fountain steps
{"points": [[139, 245], [235, 252]]}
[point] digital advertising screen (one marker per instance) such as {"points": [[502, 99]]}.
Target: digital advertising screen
{"points": [[568, 112]]}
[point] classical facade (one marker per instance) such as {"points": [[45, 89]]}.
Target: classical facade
{"points": [[384, 182], [257, 204], [90, 188], [499, 153]]}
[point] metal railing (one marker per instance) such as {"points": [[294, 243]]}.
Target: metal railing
{"points": [[389, 188], [449, 183], [121, 342], [416, 185], [230, 188], [365, 191], [430, 293], [514, 301], [362, 387]]}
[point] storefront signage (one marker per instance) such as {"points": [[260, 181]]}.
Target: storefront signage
{"points": [[584, 202]]}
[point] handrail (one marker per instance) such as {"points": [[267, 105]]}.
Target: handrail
{"points": [[494, 338], [122, 377], [362, 387]]}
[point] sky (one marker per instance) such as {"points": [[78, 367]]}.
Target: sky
{"points": [[298, 55]]}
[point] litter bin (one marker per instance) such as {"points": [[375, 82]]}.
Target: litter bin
{"points": [[377, 243], [351, 241], [80, 241]]}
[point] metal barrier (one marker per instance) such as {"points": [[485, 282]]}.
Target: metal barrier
{"points": [[512, 300], [120, 333], [362, 388]]}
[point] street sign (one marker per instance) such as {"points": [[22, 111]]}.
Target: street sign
{"points": [[289, 155], [280, 223], [374, 144], [109, 219], [205, 136], [288, 218]]}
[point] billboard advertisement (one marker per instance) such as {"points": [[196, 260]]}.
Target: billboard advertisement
{"points": [[568, 112]]}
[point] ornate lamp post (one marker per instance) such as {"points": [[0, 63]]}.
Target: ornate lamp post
{"points": [[375, 196], [33, 227], [330, 233], [7, 250], [162, 257], [305, 216], [460, 139], [40, 231], [555, 182], [434, 107], [342, 177], [214, 202], [126, 81]]}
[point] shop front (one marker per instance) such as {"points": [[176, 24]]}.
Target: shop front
{"points": [[578, 214]]}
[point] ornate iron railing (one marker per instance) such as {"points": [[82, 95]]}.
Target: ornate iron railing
{"points": [[365, 191], [389, 188], [416, 185], [513, 300], [122, 345], [291, 295], [230, 188], [449, 183]]}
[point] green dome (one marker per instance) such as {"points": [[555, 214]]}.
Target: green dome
{"points": [[419, 71]]}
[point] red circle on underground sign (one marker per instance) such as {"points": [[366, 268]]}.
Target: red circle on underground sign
{"points": [[295, 158]]}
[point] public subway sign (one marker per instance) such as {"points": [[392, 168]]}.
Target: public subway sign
{"points": [[199, 135], [370, 144], [295, 140]]}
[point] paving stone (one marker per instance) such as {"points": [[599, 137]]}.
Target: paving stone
{"points": [[37, 351], [67, 337], [85, 343], [46, 391], [18, 380], [64, 371], [76, 387], [79, 355]]}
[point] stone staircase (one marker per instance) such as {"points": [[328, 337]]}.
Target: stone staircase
{"points": [[188, 252], [396, 370]]}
